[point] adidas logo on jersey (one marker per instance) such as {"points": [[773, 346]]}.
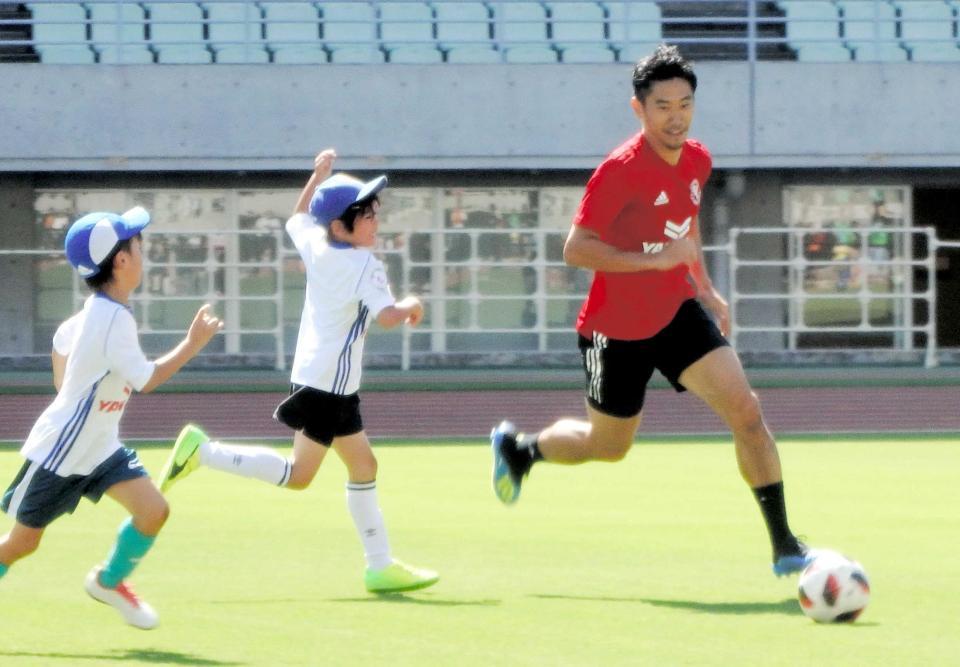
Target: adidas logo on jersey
{"points": [[662, 199]]}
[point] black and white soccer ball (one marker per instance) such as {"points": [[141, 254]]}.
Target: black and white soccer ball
{"points": [[833, 588]]}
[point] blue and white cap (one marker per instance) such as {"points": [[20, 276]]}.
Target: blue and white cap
{"points": [[338, 193], [92, 238]]}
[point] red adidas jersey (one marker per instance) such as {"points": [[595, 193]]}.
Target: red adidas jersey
{"points": [[637, 201]]}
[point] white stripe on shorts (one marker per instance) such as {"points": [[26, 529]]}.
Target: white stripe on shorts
{"points": [[21, 489], [595, 366]]}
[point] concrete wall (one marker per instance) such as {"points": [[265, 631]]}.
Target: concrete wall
{"points": [[17, 226], [181, 117]]}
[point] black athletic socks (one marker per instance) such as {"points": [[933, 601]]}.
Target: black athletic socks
{"points": [[528, 444], [770, 499], [521, 452]]}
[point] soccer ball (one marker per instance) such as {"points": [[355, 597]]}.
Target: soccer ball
{"points": [[833, 588]]}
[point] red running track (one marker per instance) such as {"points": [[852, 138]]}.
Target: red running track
{"points": [[471, 414]]}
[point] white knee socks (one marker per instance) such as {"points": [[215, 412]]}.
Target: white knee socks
{"points": [[363, 506], [260, 463]]}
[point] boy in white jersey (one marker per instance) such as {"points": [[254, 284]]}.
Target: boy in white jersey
{"points": [[334, 227], [73, 449]]}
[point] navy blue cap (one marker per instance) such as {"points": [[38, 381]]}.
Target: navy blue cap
{"points": [[338, 193], [92, 238]]}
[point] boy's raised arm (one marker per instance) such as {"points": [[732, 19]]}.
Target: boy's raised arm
{"points": [[322, 166]]}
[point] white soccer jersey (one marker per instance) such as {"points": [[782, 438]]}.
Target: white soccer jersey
{"points": [[346, 287], [80, 429]]}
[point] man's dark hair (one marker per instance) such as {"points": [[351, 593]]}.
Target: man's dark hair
{"points": [[105, 275], [356, 210], [662, 65]]}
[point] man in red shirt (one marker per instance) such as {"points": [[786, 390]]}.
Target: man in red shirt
{"points": [[637, 229]]}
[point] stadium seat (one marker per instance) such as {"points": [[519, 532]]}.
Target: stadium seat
{"points": [[870, 30], [118, 32], [866, 20], [350, 32], [927, 31], [463, 32], [406, 32], [822, 53], [877, 52], [579, 32], [60, 33], [811, 21], [293, 32], [634, 28], [176, 32], [813, 31], [236, 33], [521, 32]]}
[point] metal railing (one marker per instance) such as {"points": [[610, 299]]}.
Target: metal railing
{"points": [[791, 296], [895, 291], [749, 30]]}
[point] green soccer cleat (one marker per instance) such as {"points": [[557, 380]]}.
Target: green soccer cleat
{"points": [[184, 458], [398, 577], [506, 480]]}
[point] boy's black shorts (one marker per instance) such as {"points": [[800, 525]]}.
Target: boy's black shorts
{"points": [[37, 496], [322, 416], [618, 370]]}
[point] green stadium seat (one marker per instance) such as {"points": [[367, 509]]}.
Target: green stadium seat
{"points": [[579, 33], [813, 31], [235, 32], [927, 29], [463, 32], [633, 28], [406, 31], [176, 32], [350, 32], [60, 33], [293, 32], [521, 31], [118, 33]]}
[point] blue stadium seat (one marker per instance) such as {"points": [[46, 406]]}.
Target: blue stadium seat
{"points": [[293, 32], [350, 32], [60, 33], [463, 32], [579, 32], [176, 32], [235, 32], [521, 30], [118, 32], [927, 29], [406, 32], [634, 28]]}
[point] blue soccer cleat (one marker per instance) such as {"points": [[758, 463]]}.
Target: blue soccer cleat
{"points": [[506, 482], [790, 563]]}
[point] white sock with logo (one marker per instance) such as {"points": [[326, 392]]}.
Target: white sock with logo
{"points": [[365, 510], [260, 463]]}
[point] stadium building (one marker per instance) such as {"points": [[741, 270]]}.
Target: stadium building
{"points": [[830, 220]]}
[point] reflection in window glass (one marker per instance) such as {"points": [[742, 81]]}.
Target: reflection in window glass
{"points": [[851, 250], [476, 256]]}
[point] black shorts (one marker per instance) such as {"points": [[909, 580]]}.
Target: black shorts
{"points": [[618, 370], [36, 496], [322, 416]]}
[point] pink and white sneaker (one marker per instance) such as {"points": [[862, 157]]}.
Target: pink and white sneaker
{"points": [[135, 611]]}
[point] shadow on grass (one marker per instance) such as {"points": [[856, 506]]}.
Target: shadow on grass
{"points": [[400, 598], [787, 607], [138, 654], [393, 598]]}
